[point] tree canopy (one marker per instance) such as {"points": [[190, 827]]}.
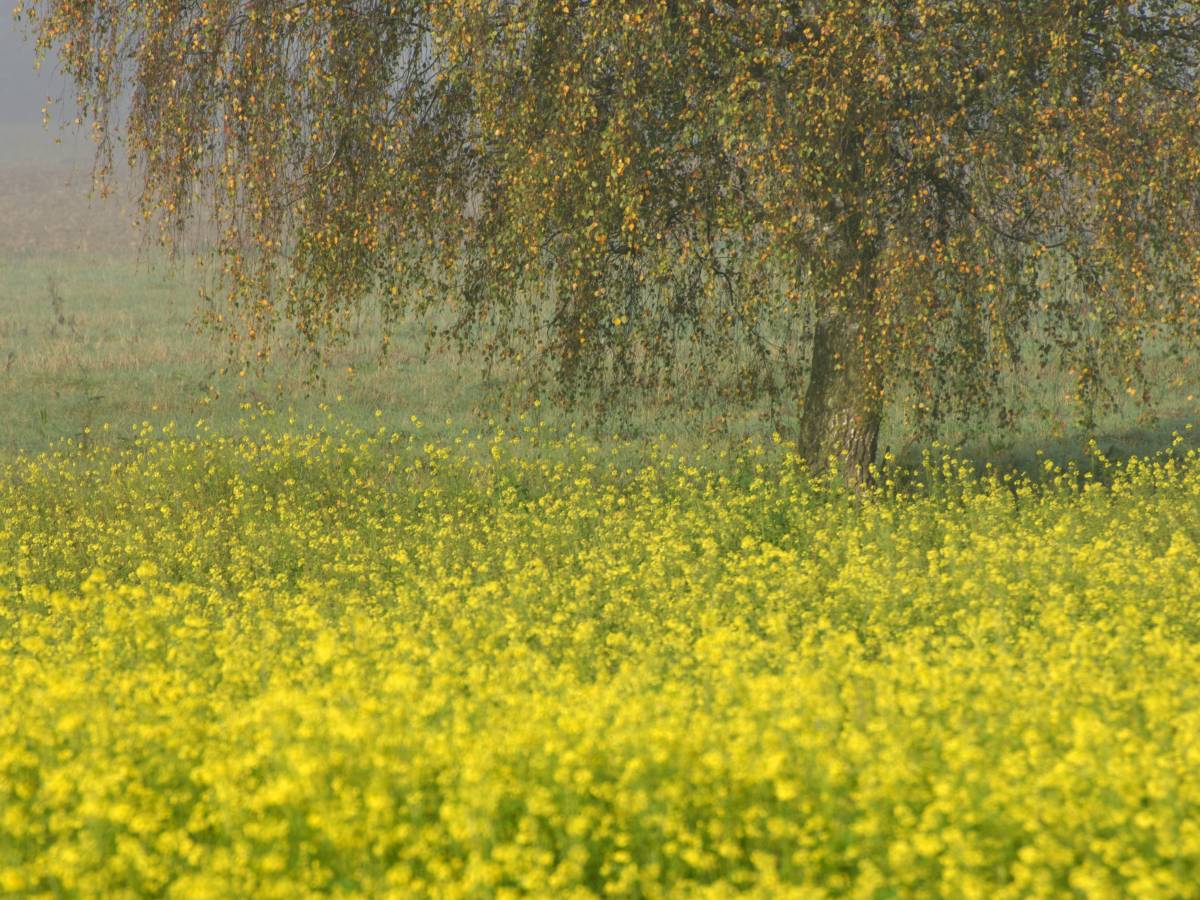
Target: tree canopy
{"points": [[593, 185]]}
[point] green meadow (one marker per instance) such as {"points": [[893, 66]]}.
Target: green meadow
{"points": [[100, 333]]}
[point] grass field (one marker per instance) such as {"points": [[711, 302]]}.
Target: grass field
{"points": [[265, 636], [95, 328]]}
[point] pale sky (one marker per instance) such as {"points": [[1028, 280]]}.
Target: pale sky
{"points": [[23, 92]]}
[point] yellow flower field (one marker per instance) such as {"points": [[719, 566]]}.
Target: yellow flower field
{"points": [[353, 664]]}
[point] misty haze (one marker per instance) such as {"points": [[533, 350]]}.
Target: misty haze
{"points": [[602, 450]]}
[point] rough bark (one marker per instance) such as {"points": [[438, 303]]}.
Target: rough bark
{"points": [[842, 407]]}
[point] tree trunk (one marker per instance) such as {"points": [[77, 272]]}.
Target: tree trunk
{"points": [[842, 406]]}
